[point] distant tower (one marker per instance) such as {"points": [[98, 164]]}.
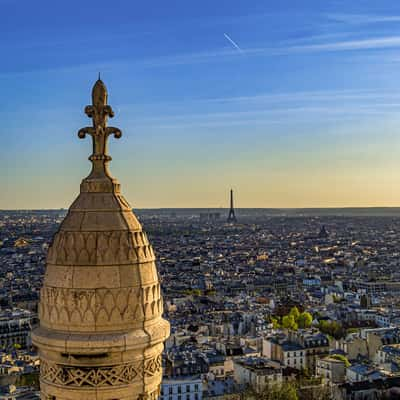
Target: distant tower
{"points": [[323, 233], [231, 216], [101, 329]]}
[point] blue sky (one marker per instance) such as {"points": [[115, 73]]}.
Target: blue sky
{"points": [[293, 104]]}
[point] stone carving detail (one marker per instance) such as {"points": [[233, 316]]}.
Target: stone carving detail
{"points": [[86, 307], [107, 248], [154, 395], [158, 330], [99, 187], [99, 111], [99, 202], [65, 375], [124, 202], [152, 366]]}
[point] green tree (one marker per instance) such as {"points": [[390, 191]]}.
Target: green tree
{"points": [[193, 292], [305, 373], [285, 391], [352, 330], [295, 313], [333, 328], [314, 392], [304, 320], [275, 322], [340, 357], [288, 322]]}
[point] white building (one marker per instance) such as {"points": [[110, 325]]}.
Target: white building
{"points": [[15, 328], [382, 320], [182, 388], [331, 369], [257, 372], [289, 354]]}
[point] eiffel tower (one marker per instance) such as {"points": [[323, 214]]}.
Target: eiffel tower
{"points": [[231, 216]]}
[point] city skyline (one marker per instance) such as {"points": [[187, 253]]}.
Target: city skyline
{"points": [[290, 106]]}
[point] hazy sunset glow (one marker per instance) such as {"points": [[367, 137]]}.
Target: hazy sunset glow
{"points": [[291, 105]]}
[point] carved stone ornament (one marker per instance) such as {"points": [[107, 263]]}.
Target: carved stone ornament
{"points": [[115, 375]]}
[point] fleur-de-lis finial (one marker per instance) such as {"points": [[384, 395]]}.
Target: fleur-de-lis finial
{"points": [[99, 111]]}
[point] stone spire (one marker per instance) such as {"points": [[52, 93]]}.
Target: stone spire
{"points": [[101, 329], [99, 111]]}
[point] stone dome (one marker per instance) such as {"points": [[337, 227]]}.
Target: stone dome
{"points": [[101, 329]]}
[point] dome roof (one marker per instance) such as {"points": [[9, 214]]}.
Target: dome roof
{"points": [[100, 311]]}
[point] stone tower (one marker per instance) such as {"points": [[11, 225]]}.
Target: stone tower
{"points": [[101, 329]]}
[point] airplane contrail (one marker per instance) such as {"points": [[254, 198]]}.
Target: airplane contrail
{"points": [[233, 43]]}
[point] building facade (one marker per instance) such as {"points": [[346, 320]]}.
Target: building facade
{"points": [[15, 329], [257, 373], [331, 369], [182, 388]]}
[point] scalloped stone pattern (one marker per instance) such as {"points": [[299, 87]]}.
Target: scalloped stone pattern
{"points": [[100, 248], [94, 309]]}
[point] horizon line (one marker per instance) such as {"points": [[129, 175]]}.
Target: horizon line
{"points": [[221, 208]]}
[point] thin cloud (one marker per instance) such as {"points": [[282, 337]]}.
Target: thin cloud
{"points": [[221, 54], [282, 49], [233, 42], [306, 115], [345, 45], [360, 19], [310, 113], [386, 99], [362, 44]]}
